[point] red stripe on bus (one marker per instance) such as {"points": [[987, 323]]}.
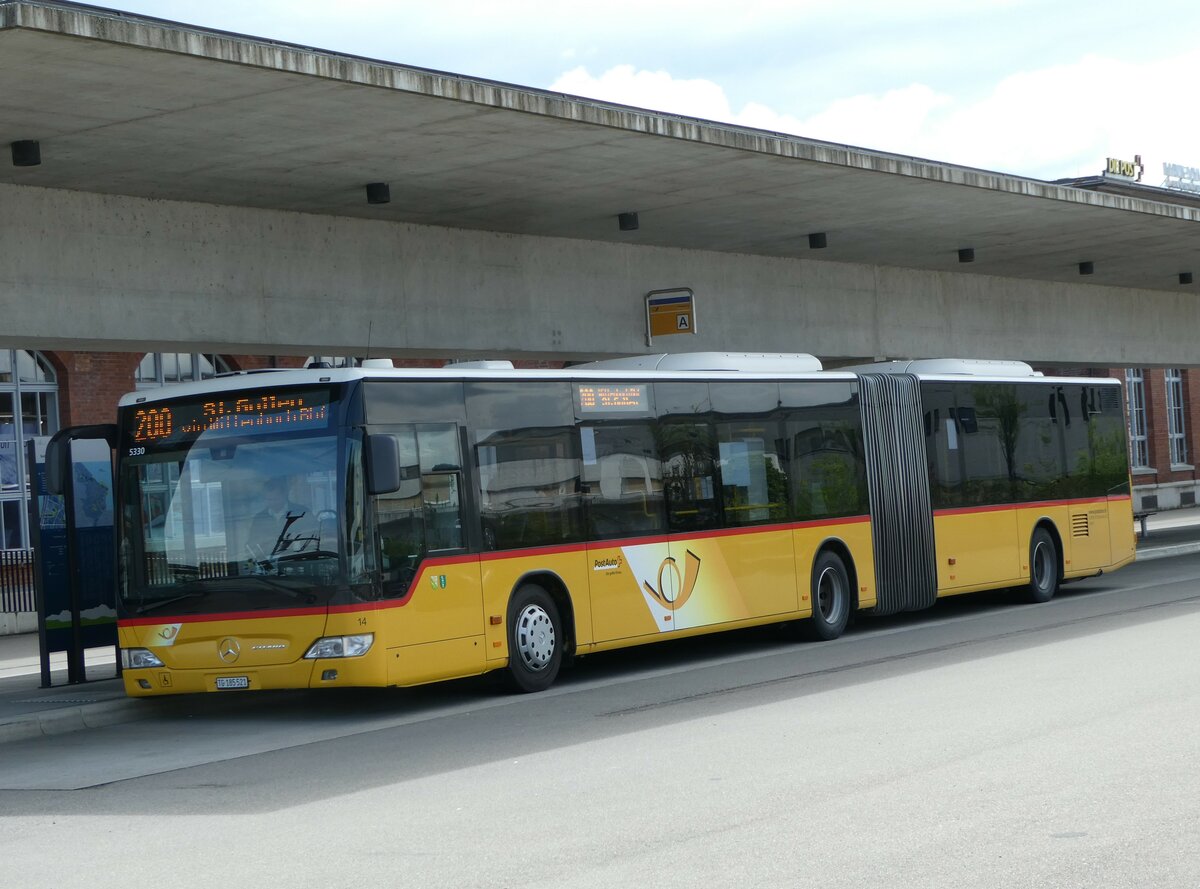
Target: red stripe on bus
{"points": [[225, 615], [438, 561]]}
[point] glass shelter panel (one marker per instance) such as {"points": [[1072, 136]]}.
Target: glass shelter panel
{"points": [[28, 408]]}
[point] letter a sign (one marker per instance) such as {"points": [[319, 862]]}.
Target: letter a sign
{"points": [[670, 311]]}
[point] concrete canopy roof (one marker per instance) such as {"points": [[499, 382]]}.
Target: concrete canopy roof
{"points": [[129, 105]]}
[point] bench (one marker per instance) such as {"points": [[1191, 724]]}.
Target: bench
{"points": [[1140, 517]]}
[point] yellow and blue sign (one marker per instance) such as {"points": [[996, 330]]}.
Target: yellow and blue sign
{"points": [[670, 311]]}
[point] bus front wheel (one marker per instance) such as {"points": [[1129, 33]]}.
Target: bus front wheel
{"points": [[830, 598], [1043, 567], [535, 639]]}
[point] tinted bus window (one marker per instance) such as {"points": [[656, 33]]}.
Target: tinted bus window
{"points": [[623, 481], [687, 448], [989, 424], [1037, 450], [821, 452], [400, 517], [750, 438], [1095, 447], [943, 446], [527, 452]]}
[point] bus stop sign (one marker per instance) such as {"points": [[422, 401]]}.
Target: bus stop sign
{"points": [[669, 312]]}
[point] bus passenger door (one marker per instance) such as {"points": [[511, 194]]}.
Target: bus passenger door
{"points": [[700, 582], [628, 555], [627, 583], [436, 625]]}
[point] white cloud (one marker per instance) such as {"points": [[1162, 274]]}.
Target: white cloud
{"points": [[1056, 121], [657, 90]]}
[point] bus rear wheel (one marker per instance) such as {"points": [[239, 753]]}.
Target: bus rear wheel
{"points": [[1043, 567], [535, 639], [830, 598]]}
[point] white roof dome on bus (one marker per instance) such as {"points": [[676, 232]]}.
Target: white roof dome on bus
{"points": [[975, 367], [748, 362]]}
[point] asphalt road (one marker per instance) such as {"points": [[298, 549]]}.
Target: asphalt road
{"points": [[976, 744]]}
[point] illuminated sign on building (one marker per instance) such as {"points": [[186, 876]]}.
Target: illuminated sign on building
{"points": [[1182, 178], [1117, 168]]}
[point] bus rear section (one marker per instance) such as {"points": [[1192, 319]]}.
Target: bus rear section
{"points": [[1026, 479]]}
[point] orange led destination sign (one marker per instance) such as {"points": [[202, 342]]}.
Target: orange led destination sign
{"points": [[618, 397], [263, 413]]}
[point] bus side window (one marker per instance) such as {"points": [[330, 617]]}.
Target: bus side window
{"points": [[441, 485], [623, 480], [689, 460], [401, 521]]}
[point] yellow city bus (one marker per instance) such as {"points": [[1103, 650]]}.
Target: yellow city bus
{"points": [[375, 527]]}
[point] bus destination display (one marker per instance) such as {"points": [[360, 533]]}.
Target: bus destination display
{"points": [[612, 398], [263, 413]]}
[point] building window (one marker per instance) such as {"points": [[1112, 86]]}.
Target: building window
{"points": [[1135, 393], [1176, 434], [28, 407], [163, 368]]}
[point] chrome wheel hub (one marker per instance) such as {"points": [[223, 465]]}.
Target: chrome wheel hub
{"points": [[535, 637]]}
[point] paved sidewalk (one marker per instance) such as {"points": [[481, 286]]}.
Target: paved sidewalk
{"points": [[27, 711], [1173, 533]]}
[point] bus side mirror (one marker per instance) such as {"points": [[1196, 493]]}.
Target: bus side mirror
{"points": [[58, 457], [383, 464], [58, 452]]}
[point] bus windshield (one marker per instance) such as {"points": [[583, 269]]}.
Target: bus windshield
{"points": [[217, 522]]}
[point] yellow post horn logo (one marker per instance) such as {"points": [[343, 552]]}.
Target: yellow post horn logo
{"points": [[690, 574]]}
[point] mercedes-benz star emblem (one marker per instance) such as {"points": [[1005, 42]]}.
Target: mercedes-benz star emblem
{"points": [[228, 650]]}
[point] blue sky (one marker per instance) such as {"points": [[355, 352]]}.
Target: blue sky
{"points": [[1042, 88]]}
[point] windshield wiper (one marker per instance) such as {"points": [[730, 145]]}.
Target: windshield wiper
{"points": [[199, 589], [163, 603], [304, 556]]}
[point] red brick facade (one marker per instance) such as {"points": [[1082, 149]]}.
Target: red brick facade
{"points": [[1161, 485]]}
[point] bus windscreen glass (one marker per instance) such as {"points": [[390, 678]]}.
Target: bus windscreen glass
{"points": [[231, 502]]}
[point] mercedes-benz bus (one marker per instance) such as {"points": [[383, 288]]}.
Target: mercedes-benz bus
{"points": [[376, 527]]}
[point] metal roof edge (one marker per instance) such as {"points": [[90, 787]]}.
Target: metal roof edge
{"points": [[136, 30]]}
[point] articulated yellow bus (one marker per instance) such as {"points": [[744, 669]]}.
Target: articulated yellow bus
{"points": [[373, 527]]}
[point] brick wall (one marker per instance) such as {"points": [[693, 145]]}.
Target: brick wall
{"points": [[259, 362], [91, 383], [1159, 426]]}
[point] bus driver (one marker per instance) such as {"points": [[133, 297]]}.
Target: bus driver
{"points": [[274, 527]]}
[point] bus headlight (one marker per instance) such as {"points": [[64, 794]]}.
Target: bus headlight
{"points": [[341, 646], [138, 658]]}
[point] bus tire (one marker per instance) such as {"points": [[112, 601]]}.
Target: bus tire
{"points": [[830, 598], [1043, 567], [535, 639]]}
